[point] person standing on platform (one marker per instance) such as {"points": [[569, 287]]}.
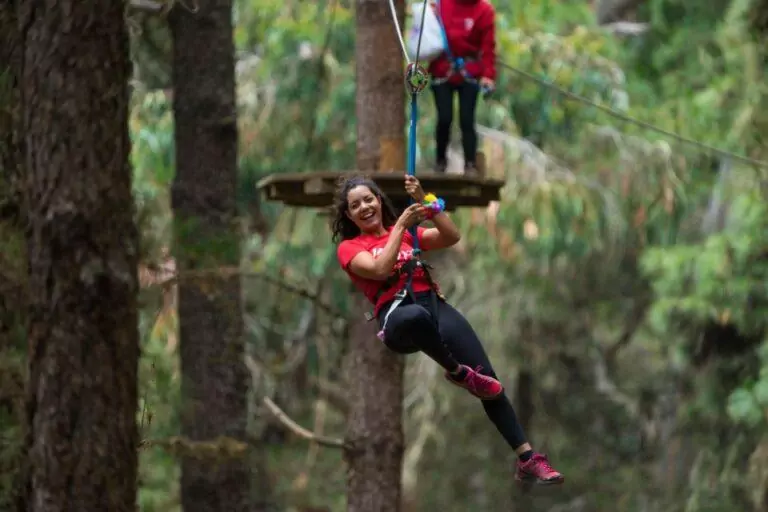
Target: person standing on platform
{"points": [[466, 69]]}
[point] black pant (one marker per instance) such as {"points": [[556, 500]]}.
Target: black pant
{"points": [[412, 327], [467, 93]]}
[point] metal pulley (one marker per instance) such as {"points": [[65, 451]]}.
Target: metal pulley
{"points": [[416, 78]]}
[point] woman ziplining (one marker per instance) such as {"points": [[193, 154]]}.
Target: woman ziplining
{"points": [[380, 256]]}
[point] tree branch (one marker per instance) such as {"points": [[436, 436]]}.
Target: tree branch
{"points": [[605, 386], [333, 393], [221, 448], [634, 322], [609, 11], [292, 360], [284, 419], [297, 429], [159, 275], [627, 28], [147, 5]]}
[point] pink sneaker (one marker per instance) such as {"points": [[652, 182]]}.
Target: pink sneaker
{"points": [[537, 470], [482, 386]]}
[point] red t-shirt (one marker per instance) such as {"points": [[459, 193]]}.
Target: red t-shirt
{"points": [[348, 249], [471, 32]]}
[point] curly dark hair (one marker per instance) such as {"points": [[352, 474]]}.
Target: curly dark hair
{"points": [[343, 228]]}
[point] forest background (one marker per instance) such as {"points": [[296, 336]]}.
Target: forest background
{"points": [[619, 284]]}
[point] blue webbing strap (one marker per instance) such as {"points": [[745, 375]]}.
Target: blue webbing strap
{"points": [[412, 161]]}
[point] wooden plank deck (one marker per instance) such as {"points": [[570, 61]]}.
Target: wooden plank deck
{"points": [[316, 189]]}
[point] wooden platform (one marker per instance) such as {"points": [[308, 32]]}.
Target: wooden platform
{"points": [[316, 189]]}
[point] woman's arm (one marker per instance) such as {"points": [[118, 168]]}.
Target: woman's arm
{"points": [[444, 234], [365, 265], [488, 45]]}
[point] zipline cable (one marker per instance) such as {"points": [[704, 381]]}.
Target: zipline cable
{"points": [[398, 30], [421, 29], [623, 117], [701, 146]]}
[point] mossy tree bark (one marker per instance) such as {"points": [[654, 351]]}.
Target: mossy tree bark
{"points": [[12, 265], [214, 376], [82, 433]]}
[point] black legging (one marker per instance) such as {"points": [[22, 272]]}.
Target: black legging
{"points": [[443, 94], [411, 328]]}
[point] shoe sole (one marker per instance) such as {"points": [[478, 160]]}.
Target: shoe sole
{"points": [[494, 397], [530, 481]]}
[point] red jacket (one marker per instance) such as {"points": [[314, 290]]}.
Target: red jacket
{"points": [[470, 29]]}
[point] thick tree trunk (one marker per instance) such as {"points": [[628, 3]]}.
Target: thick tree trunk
{"points": [[375, 433], [12, 266], [214, 376], [374, 429], [10, 55], [82, 255], [380, 96], [11, 236]]}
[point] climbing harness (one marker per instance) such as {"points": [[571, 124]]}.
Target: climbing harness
{"points": [[407, 269]]}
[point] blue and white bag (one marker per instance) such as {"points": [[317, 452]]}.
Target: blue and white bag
{"points": [[431, 38]]}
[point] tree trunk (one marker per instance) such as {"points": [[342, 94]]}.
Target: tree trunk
{"points": [[11, 235], [10, 155], [214, 376], [380, 97], [12, 266], [82, 257], [374, 429], [375, 432]]}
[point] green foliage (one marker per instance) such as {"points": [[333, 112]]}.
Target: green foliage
{"points": [[721, 279], [159, 471], [574, 61], [709, 50], [301, 83], [151, 129]]}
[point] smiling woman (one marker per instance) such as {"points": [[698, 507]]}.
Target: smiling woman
{"points": [[377, 252]]}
